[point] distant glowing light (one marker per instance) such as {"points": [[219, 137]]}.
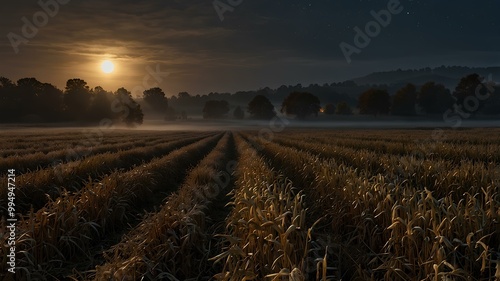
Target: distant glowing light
{"points": [[107, 66]]}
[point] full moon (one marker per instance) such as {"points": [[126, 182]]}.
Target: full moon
{"points": [[107, 66]]}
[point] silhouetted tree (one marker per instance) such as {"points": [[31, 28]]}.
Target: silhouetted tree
{"points": [[214, 109], [329, 109], [467, 87], [50, 102], [474, 95], [29, 91], [238, 113], [374, 102], [9, 101], [183, 95], [343, 108], [29, 100], [100, 107], [434, 98], [404, 101], [301, 104], [261, 108], [492, 104], [6, 83], [155, 97], [129, 110], [170, 114], [77, 98], [265, 91]]}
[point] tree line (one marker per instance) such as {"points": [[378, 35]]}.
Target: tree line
{"points": [[471, 96], [29, 100]]}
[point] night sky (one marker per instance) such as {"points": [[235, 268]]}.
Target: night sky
{"points": [[258, 44]]}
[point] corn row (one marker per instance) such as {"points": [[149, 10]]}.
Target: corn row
{"points": [[173, 241], [426, 149], [266, 232], [468, 136], [396, 222], [45, 144], [40, 160], [440, 176], [68, 226], [34, 187]]}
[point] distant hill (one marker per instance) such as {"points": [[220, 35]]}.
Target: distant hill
{"points": [[447, 75], [346, 91]]}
